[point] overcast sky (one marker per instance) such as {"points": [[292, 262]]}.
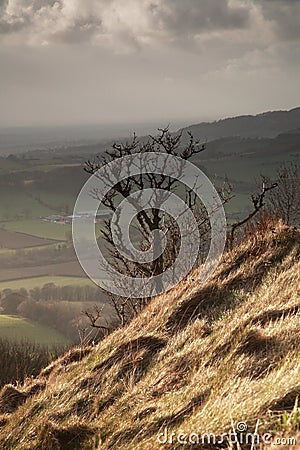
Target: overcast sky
{"points": [[113, 61]]}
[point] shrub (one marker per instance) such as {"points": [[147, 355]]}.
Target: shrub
{"points": [[21, 359]]}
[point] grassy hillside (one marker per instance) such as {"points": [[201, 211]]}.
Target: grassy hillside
{"points": [[199, 359], [18, 328]]}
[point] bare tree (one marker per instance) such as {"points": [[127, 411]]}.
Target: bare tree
{"points": [[147, 220], [285, 200], [152, 219], [258, 202], [95, 317]]}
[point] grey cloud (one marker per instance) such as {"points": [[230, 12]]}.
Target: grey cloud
{"points": [[114, 23], [58, 21], [3, 3], [285, 15], [193, 17], [17, 15], [79, 30], [174, 20]]}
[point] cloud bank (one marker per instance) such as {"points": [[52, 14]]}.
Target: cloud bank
{"points": [[106, 60], [135, 23]]}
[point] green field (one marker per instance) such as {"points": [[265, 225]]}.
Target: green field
{"points": [[243, 168], [30, 283], [39, 228], [18, 203], [22, 208], [10, 251], [18, 328]]}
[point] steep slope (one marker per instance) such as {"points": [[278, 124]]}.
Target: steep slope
{"points": [[199, 359]]}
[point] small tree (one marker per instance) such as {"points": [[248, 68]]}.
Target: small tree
{"points": [[11, 302]]}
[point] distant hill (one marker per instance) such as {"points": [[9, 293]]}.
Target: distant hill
{"points": [[268, 125], [283, 144], [36, 143]]}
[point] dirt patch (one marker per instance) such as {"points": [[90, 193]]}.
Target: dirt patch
{"points": [[11, 398], [64, 438], [4, 420], [287, 402]]}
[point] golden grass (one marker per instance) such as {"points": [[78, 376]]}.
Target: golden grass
{"points": [[198, 359]]}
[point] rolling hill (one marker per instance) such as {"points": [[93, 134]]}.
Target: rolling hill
{"points": [[219, 358]]}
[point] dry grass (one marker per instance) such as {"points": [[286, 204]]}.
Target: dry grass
{"points": [[198, 359]]}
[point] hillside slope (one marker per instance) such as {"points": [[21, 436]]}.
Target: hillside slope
{"points": [[283, 144], [199, 359], [268, 124]]}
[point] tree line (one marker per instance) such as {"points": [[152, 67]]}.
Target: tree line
{"points": [[60, 308], [50, 292]]}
